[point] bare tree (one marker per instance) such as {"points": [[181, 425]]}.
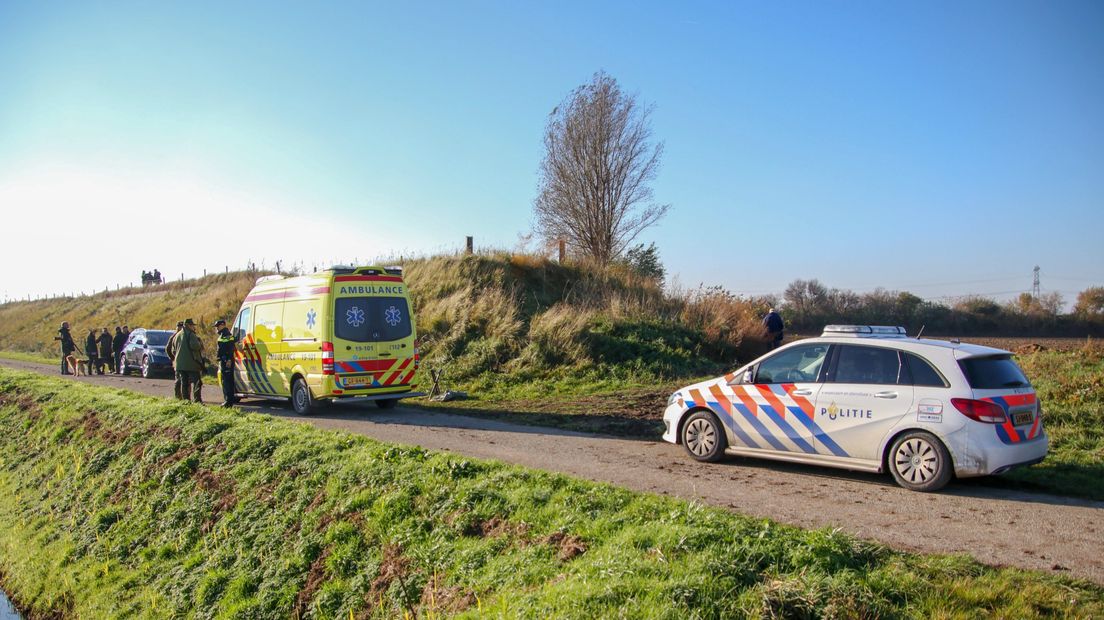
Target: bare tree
{"points": [[594, 179]]}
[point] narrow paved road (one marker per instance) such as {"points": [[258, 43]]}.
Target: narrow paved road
{"points": [[997, 526]]}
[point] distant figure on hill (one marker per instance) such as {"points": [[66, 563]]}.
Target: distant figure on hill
{"points": [[90, 349], [67, 345], [773, 322], [107, 356], [150, 278], [118, 342]]}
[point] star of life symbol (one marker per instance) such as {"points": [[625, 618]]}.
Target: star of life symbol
{"points": [[355, 316], [311, 316], [392, 316]]}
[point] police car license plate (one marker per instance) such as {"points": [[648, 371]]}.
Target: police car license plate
{"points": [[353, 381], [1020, 418]]}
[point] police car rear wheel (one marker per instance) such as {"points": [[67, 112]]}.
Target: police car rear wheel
{"points": [[703, 437], [920, 462], [301, 400]]}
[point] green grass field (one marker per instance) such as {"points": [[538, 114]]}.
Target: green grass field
{"points": [[1070, 385], [123, 505]]}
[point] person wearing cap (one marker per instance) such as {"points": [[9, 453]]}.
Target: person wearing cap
{"points": [[170, 350], [67, 346], [188, 362], [226, 350], [774, 325]]}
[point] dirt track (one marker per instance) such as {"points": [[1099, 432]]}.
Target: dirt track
{"points": [[997, 526]]}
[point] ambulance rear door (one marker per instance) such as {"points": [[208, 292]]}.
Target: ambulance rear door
{"points": [[373, 335]]}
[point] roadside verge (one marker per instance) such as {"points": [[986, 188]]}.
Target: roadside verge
{"points": [[119, 504]]}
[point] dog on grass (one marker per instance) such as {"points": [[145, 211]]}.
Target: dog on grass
{"points": [[76, 365]]}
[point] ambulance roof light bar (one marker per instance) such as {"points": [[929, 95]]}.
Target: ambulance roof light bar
{"points": [[859, 331]]}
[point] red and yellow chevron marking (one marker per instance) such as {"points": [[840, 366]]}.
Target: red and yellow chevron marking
{"points": [[398, 371]]}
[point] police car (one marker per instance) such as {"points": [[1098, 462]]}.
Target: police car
{"points": [[869, 398]]}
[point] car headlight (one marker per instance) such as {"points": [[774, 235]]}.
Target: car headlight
{"points": [[672, 398]]}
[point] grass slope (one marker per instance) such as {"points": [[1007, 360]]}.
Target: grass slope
{"points": [[1070, 385], [123, 505], [30, 327]]}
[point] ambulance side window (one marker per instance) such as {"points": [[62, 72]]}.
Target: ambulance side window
{"points": [[242, 325]]}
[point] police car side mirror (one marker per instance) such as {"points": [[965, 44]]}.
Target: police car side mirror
{"points": [[743, 379]]}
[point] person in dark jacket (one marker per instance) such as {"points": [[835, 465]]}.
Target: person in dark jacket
{"points": [[67, 346], [170, 350], [225, 353], [90, 350], [773, 322], [107, 356], [188, 362], [118, 342]]}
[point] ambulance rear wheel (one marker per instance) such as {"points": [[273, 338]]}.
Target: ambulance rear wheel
{"points": [[301, 399], [920, 462], [387, 403]]}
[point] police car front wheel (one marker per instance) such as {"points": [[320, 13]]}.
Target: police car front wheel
{"points": [[920, 462], [703, 437]]}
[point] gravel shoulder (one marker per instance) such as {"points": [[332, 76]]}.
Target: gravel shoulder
{"points": [[1001, 527]]}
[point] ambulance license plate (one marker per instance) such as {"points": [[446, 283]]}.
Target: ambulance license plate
{"points": [[356, 381], [1020, 418]]}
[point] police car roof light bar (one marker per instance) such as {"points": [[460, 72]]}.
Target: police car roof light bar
{"points": [[863, 330]]}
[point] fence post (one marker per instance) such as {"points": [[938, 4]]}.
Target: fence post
{"points": [[470, 243]]}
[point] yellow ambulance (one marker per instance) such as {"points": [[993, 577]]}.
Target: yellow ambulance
{"points": [[340, 333]]}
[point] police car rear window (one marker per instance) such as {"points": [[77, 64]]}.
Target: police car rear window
{"points": [[371, 319], [993, 372], [922, 372]]}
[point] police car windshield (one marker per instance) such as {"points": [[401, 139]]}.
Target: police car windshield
{"points": [[157, 339], [371, 319]]}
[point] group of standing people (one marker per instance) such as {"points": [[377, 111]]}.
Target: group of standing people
{"points": [[184, 348], [103, 350]]}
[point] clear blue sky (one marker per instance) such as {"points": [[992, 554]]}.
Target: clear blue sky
{"points": [[938, 147]]}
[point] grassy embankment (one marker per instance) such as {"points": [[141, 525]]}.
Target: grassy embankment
{"points": [[502, 326], [1070, 385], [118, 504]]}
